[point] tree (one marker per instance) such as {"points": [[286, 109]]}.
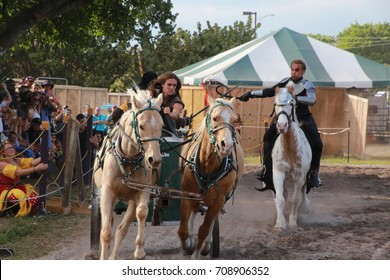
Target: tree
{"points": [[184, 48], [368, 40], [17, 16], [324, 38], [95, 44], [52, 41]]}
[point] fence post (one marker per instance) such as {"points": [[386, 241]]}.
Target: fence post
{"points": [[70, 155], [87, 161], [44, 159]]}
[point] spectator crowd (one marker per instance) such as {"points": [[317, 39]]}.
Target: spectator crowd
{"points": [[27, 106]]}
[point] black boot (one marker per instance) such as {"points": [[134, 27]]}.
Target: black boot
{"points": [[269, 185], [314, 180], [266, 177]]}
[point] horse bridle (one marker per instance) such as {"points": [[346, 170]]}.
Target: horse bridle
{"points": [[136, 160], [134, 125], [211, 130], [290, 117]]}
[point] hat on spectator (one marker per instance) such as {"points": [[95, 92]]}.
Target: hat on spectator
{"points": [[48, 83], [29, 78], [36, 121], [80, 117]]}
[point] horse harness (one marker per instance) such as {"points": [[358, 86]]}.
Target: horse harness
{"points": [[114, 146], [228, 164]]}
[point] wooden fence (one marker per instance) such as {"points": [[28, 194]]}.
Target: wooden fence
{"points": [[341, 117]]}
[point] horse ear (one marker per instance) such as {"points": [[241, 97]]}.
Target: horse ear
{"points": [[233, 101], [135, 103], [211, 100], [158, 101]]}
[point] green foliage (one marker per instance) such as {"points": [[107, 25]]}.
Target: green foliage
{"points": [[20, 228], [186, 48], [324, 38], [90, 46], [94, 42], [35, 236], [368, 40]]}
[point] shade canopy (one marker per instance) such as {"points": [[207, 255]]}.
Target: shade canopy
{"points": [[265, 61]]}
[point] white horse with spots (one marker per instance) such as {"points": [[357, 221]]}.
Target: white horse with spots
{"points": [[291, 155]]}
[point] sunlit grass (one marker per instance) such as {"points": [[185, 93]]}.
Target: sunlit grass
{"points": [[334, 160], [35, 236]]}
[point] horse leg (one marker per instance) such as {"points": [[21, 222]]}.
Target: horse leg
{"points": [[304, 208], [205, 250], [106, 204], [205, 230], [123, 228], [186, 228], [296, 199], [278, 178], [141, 213]]}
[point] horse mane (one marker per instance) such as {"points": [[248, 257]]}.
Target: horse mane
{"points": [[201, 128], [143, 97], [224, 102]]}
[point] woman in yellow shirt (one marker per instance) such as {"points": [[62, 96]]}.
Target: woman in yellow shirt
{"points": [[12, 192]]}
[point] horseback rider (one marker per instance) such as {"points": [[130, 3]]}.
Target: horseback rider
{"points": [[305, 96]]}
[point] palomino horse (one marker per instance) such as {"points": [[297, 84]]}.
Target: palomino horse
{"points": [[132, 150], [212, 164], [291, 155]]}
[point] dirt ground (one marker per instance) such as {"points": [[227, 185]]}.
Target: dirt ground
{"points": [[350, 220]]}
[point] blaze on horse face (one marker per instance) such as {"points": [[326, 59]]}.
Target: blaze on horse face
{"points": [[222, 125], [149, 127], [284, 110]]}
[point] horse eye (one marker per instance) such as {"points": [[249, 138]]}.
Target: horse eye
{"points": [[141, 127], [215, 119]]}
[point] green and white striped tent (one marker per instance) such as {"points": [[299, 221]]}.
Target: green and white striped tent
{"points": [[265, 61]]}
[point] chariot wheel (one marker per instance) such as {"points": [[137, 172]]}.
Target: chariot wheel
{"points": [[214, 252]]}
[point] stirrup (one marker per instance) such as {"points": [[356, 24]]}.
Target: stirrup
{"points": [[269, 186]]}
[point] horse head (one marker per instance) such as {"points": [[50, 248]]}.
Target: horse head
{"points": [[284, 110], [142, 127], [220, 125]]}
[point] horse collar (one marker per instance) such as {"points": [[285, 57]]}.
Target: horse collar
{"points": [[122, 159], [207, 181]]}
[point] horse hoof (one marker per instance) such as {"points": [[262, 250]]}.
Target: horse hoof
{"points": [[204, 252], [188, 246], [139, 256], [277, 231], [205, 249]]}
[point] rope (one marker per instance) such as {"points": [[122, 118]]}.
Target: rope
{"points": [[250, 148], [21, 153], [62, 128], [34, 186], [334, 133]]}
